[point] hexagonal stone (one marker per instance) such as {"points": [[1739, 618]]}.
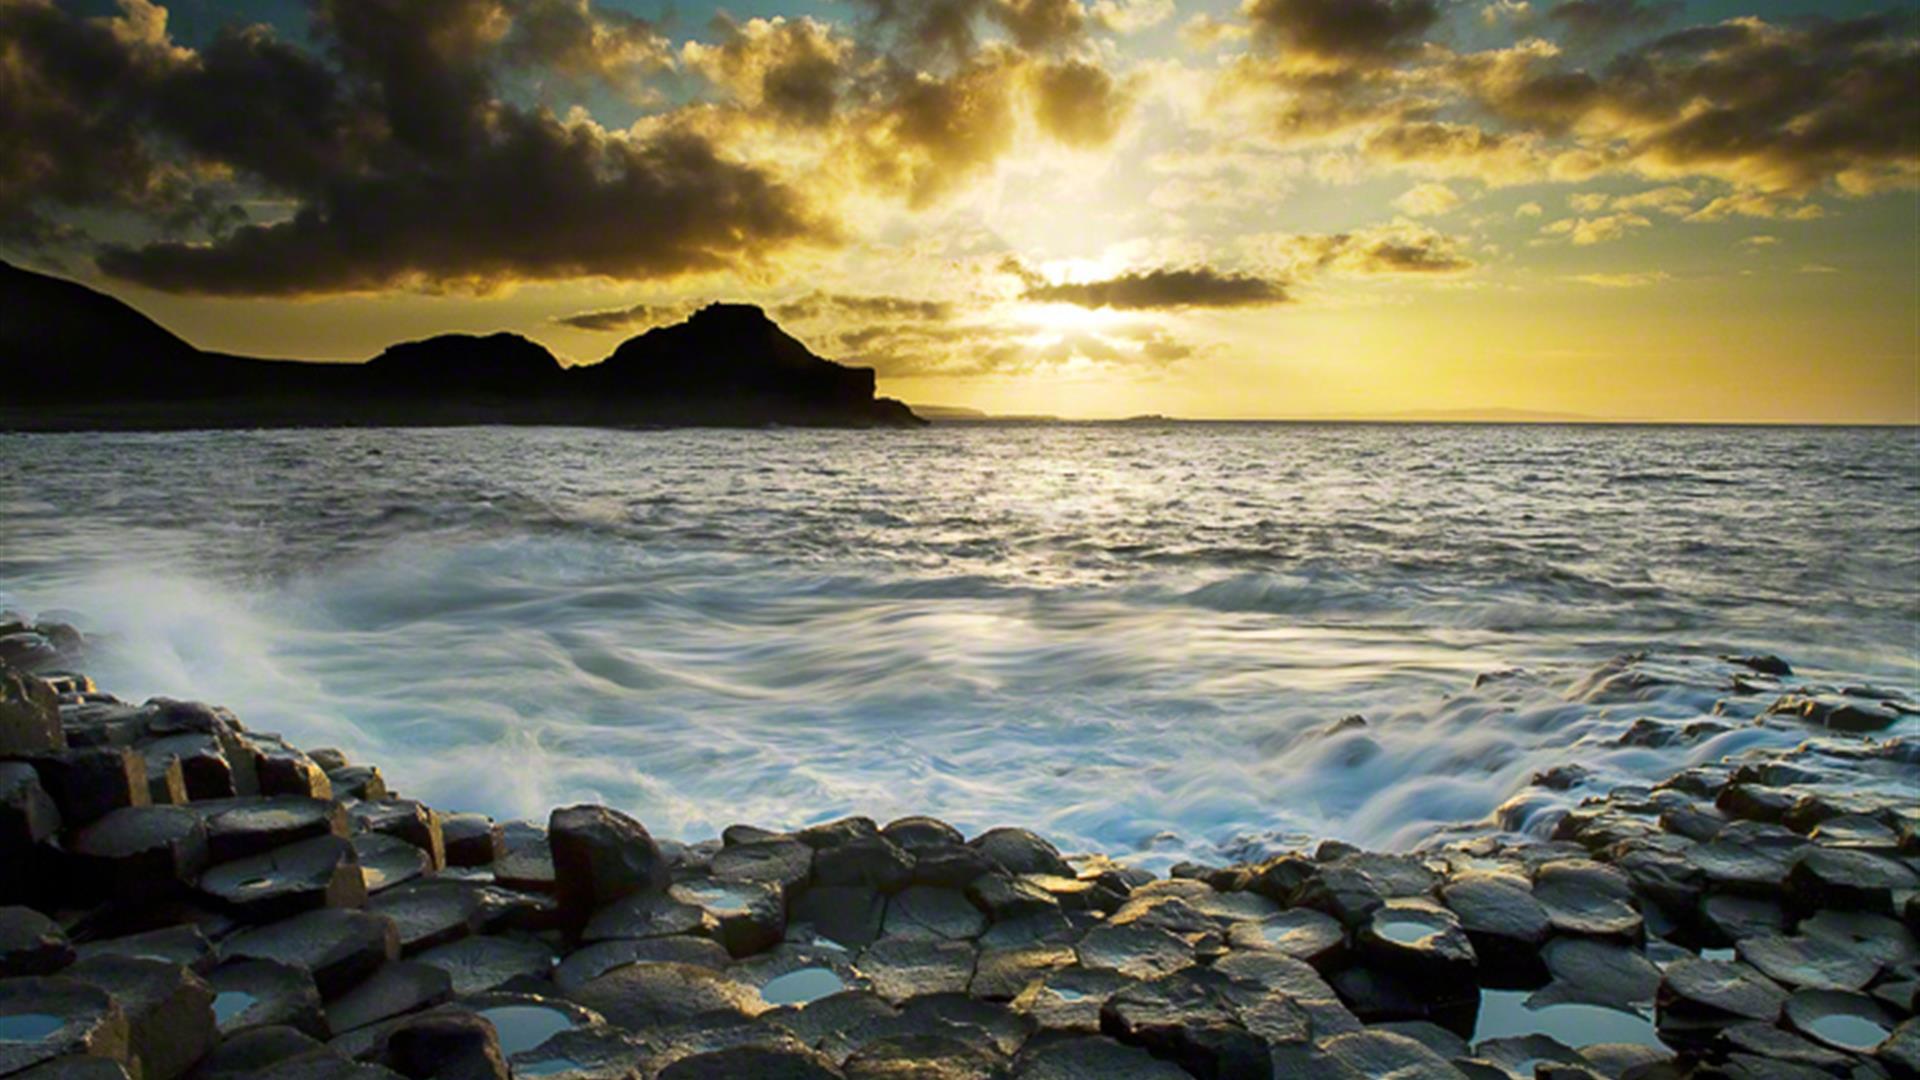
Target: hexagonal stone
{"points": [[453, 1044], [1732, 917], [1416, 937], [949, 866], [169, 1010], [1137, 951], [873, 862], [29, 715], [1006, 898], [1301, 933], [42, 1019], [1841, 878], [202, 761], [362, 782], [318, 873], [592, 961], [414, 822], [481, 963], [1699, 997], [1855, 1023], [1187, 1018], [31, 944], [1069, 998], [851, 916], [1093, 1057], [786, 864], [743, 916], [238, 828], [649, 995], [926, 913], [588, 1053], [183, 944], [393, 990], [470, 839], [251, 994], [141, 853], [772, 1063], [1586, 897], [386, 861], [1596, 971], [599, 856], [913, 833], [1779, 1044], [1003, 974], [647, 915], [1021, 851], [87, 784], [285, 770], [897, 1057], [525, 860], [28, 815], [338, 947], [1807, 962], [901, 969]]}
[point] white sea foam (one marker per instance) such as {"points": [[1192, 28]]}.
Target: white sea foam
{"points": [[1133, 639]]}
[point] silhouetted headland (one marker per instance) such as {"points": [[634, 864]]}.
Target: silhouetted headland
{"points": [[75, 359]]}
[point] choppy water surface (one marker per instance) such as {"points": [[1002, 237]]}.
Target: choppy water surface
{"points": [[1131, 638]]}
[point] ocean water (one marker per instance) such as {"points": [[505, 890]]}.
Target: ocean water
{"points": [[1133, 638]]}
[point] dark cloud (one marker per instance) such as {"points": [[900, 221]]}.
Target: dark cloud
{"points": [[1597, 20], [541, 199], [1343, 33], [1078, 103], [635, 317], [821, 305], [1199, 286]]}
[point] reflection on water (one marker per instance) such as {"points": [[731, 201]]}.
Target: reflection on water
{"points": [[802, 986], [524, 1027], [228, 1004], [1504, 1014], [28, 1027], [1132, 638]]}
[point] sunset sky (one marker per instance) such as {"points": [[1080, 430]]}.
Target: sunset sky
{"points": [[1618, 208]]}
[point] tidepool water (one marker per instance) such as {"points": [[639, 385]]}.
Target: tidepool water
{"points": [[1133, 638]]}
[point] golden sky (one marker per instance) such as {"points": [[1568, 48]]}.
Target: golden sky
{"points": [[1283, 208]]}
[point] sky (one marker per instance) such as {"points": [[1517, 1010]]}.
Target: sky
{"points": [[1628, 209]]}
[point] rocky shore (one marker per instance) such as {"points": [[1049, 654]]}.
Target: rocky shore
{"points": [[188, 897]]}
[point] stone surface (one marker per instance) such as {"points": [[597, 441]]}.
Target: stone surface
{"points": [[169, 1010], [1020, 851], [449, 1046], [265, 993], [482, 963], [599, 856], [323, 872], [469, 839], [141, 853], [54, 1017], [386, 861], [338, 947], [87, 784], [745, 917], [394, 989], [238, 828], [29, 715], [647, 995], [31, 944]]}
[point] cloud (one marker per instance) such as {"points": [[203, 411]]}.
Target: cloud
{"points": [[1428, 200], [1199, 286], [1597, 20], [1394, 248], [636, 317], [1632, 280], [1342, 33], [820, 305], [1131, 16], [1752, 204], [794, 69], [1077, 102], [1584, 231]]}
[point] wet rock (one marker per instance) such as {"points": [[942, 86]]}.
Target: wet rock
{"points": [[925, 913], [1777, 1044], [1699, 997], [469, 840], [141, 853], [386, 861], [31, 944], [1137, 951], [283, 770], [1840, 878], [1596, 971], [28, 815], [1733, 917], [432, 912], [1855, 831], [902, 969], [1764, 663], [1807, 962], [1502, 919], [1755, 802], [1585, 897], [264, 993], [1855, 1023], [743, 916], [1417, 938], [1663, 876], [257, 1053], [1901, 1051], [1004, 974], [589, 963], [29, 715], [395, 989], [169, 1010], [1069, 998], [1383, 1054], [649, 995], [1092, 1057], [1301, 933], [446, 1046], [922, 1057], [1187, 1018], [183, 944], [872, 862], [1005, 898], [599, 856], [591, 1053], [87, 784], [785, 864], [1563, 777], [648, 915], [481, 963], [1835, 712], [914, 833], [1020, 851], [337, 947], [323, 872], [45, 1018], [239, 828], [949, 867], [774, 1063], [201, 761], [851, 916], [1379, 996], [407, 820], [356, 782], [525, 860]]}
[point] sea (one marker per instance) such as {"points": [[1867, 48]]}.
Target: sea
{"points": [[1142, 639]]}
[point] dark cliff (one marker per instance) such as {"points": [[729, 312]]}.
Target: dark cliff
{"points": [[72, 358]]}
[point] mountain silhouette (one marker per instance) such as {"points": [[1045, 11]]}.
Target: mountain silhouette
{"points": [[72, 358]]}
